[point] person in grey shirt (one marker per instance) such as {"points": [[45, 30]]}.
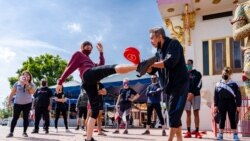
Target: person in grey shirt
{"points": [[23, 90], [81, 108]]}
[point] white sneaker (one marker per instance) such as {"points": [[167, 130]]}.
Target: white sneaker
{"points": [[68, 131], [56, 130]]}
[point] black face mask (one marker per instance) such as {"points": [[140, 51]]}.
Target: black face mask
{"points": [[154, 80], [44, 83], [159, 45], [225, 77]]}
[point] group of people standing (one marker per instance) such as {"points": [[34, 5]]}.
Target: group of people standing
{"points": [[35, 103], [175, 78]]}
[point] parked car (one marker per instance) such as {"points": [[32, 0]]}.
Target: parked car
{"points": [[5, 122]]}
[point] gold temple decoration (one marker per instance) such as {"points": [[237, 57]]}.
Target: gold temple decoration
{"points": [[216, 1], [188, 19], [180, 32], [177, 32], [170, 10]]}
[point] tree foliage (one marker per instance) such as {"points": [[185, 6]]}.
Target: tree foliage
{"points": [[44, 66], [5, 112]]}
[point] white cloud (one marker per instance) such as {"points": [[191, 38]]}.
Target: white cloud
{"points": [[6, 54], [26, 43], [98, 38], [74, 27]]}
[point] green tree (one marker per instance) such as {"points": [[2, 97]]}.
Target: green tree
{"points": [[43, 66], [5, 112]]}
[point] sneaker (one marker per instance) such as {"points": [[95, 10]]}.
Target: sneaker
{"points": [[104, 130], [34, 131], [25, 134], [164, 133], [144, 65], [220, 136], [198, 135], [102, 134], [77, 128], [56, 130], [235, 137], [125, 132], [92, 139], [116, 132], [188, 135], [146, 132], [9, 135], [193, 132], [68, 131], [46, 131]]}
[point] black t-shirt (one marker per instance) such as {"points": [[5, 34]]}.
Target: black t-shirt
{"points": [[125, 95], [42, 97], [60, 96]]}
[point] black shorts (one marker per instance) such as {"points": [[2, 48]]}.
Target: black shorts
{"points": [[177, 101], [82, 112], [124, 107], [89, 82]]}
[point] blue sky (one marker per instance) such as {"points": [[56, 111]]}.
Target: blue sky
{"points": [[34, 27]]}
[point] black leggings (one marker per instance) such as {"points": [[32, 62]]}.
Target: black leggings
{"points": [[227, 106], [64, 113], [18, 108], [150, 108], [90, 80]]}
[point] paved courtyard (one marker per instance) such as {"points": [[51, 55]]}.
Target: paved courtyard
{"points": [[134, 135]]}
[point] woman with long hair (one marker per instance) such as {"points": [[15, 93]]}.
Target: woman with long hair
{"points": [[23, 90]]}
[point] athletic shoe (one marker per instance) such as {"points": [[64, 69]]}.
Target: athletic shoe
{"points": [[92, 139], [34, 131], [67, 131], [77, 128], [235, 137], [56, 130], [9, 135], [198, 135], [102, 134], [104, 130], [144, 65], [116, 132], [188, 135], [25, 134], [125, 132], [220, 136], [164, 133], [146, 132], [193, 132]]}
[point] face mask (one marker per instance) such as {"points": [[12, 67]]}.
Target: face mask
{"points": [[23, 78], [225, 77], [159, 45], [86, 52], [44, 83], [189, 67], [154, 80], [125, 84]]}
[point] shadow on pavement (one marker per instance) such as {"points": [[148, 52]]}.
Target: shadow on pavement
{"points": [[35, 139]]}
